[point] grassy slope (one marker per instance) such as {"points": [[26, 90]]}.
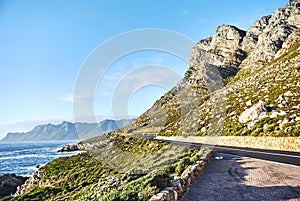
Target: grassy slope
{"points": [[83, 177]]}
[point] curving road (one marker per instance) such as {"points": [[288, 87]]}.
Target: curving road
{"points": [[236, 174], [270, 155]]}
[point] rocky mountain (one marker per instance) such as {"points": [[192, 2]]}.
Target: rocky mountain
{"points": [[66, 131], [230, 72]]}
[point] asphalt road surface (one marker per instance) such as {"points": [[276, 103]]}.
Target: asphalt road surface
{"points": [[270, 155]]}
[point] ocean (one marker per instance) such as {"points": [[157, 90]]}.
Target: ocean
{"points": [[23, 158]]}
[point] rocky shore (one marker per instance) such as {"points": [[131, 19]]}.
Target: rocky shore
{"points": [[69, 148], [9, 184]]}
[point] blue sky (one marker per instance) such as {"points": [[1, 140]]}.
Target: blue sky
{"points": [[44, 44]]}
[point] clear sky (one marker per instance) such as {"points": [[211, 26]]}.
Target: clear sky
{"points": [[43, 44]]}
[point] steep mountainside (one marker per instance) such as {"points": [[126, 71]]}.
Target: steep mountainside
{"points": [[261, 64], [66, 131]]}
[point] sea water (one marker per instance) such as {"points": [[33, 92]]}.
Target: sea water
{"points": [[24, 158]]}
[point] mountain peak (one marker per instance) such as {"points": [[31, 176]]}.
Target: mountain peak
{"points": [[235, 53], [224, 49], [65, 123]]}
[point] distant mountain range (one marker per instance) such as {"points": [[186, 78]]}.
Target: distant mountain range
{"points": [[67, 131]]}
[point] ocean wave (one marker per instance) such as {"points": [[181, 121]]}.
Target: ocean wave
{"points": [[24, 156], [22, 159]]}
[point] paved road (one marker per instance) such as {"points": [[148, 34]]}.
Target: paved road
{"points": [[242, 175], [276, 156], [241, 178]]}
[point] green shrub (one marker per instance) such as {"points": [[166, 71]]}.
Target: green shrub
{"points": [[194, 159], [170, 168], [129, 195], [296, 132], [182, 165], [111, 196]]}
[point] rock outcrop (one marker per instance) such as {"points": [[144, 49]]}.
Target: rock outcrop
{"points": [[268, 34], [69, 148], [230, 47], [9, 184], [255, 112], [224, 49]]}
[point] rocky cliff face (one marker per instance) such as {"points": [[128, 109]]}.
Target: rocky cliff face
{"points": [[231, 47], [224, 49], [268, 34], [240, 57]]}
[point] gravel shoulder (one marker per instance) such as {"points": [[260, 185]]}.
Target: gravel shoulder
{"points": [[241, 178]]}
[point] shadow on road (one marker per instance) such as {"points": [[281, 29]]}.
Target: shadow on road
{"points": [[234, 178]]}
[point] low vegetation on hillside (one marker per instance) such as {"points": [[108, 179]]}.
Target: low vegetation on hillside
{"points": [[277, 85], [84, 177]]}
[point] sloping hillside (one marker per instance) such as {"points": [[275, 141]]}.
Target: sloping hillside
{"points": [[261, 64]]}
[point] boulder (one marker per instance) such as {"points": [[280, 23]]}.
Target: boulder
{"points": [[69, 148], [255, 112], [9, 184]]}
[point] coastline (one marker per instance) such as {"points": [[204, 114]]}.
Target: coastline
{"points": [[20, 164]]}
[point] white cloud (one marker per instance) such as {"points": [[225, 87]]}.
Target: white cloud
{"points": [[78, 98]]}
